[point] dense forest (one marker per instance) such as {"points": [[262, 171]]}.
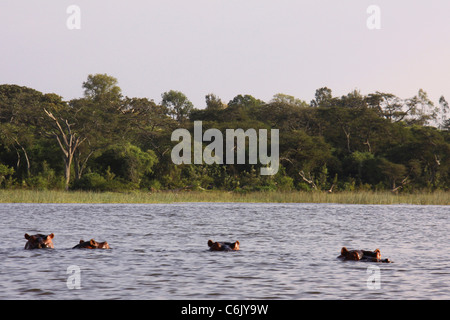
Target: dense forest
{"points": [[105, 141]]}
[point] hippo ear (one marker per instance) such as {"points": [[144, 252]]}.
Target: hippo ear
{"points": [[92, 242], [27, 236], [210, 243], [51, 236], [105, 245], [377, 253], [81, 241]]}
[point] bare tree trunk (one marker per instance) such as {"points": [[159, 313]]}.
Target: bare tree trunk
{"points": [[309, 180], [26, 158], [395, 188], [68, 143], [68, 165], [331, 189], [347, 135], [80, 165], [18, 158], [367, 143]]}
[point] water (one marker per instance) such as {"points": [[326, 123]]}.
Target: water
{"points": [[288, 251]]}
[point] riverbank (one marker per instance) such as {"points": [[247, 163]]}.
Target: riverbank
{"points": [[363, 197]]}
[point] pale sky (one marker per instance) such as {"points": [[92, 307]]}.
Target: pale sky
{"points": [[228, 47]]}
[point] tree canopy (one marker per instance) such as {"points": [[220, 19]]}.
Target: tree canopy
{"points": [[106, 141]]}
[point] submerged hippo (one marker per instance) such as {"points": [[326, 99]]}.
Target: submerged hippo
{"points": [[39, 241], [92, 244], [362, 255], [223, 246]]}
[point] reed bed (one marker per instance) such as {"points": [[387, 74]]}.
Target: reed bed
{"points": [[363, 197]]}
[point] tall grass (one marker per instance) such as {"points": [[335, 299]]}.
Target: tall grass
{"points": [[362, 197]]}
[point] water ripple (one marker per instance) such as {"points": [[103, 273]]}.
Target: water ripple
{"points": [[288, 251]]}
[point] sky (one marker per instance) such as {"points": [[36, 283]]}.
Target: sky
{"points": [[228, 47]]}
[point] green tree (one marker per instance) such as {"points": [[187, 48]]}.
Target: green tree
{"points": [[178, 104], [214, 103], [323, 97], [5, 171], [128, 162], [421, 109], [22, 123], [388, 106], [245, 101], [88, 124], [285, 99], [396, 174], [102, 87], [305, 157]]}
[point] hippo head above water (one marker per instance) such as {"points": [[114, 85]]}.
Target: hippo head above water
{"points": [[362, 255], [223, 246], [92, 244], [39, 241]]}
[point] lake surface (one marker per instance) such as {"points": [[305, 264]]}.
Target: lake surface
{"points": [[288, 251]]}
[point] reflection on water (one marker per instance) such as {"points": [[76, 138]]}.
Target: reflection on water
{"points": [[288, 251]]}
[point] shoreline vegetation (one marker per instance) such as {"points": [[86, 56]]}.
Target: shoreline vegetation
{"points": [[361, 197], [105, 147]]}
